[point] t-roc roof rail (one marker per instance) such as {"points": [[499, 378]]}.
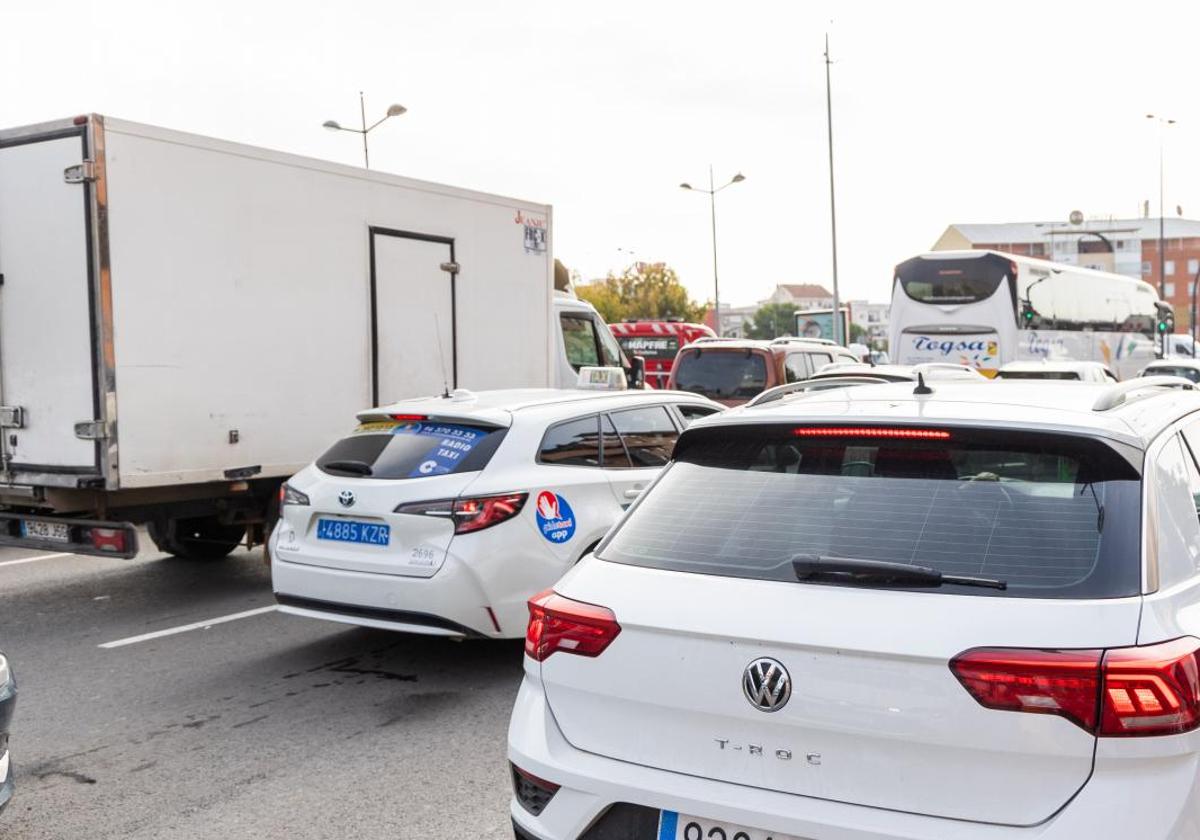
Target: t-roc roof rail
{"points": [[1119, 394]]}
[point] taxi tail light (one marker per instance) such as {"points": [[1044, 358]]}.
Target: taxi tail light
{"points": [[470, 514], [560, 624], [1122, 692], [410, 418]]}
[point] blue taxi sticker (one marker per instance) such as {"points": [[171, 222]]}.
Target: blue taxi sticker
{"points": [[555, 519]]}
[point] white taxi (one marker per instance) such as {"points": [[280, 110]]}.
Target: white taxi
{"points": [[443, 515]]}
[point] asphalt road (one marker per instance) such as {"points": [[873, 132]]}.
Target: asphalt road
{"points": [[264, 726]]}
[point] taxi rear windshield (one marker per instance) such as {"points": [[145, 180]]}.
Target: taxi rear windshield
{"points": [[1051, 516], [393, 449]]}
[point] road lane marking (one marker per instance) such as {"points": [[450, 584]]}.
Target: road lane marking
{"points": [[35, 559], [198, 625]]}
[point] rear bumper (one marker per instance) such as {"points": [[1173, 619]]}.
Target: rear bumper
{"points": [[1151, 798], [116, 539]]}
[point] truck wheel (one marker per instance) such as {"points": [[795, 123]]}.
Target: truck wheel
{"points": [[198, 538]]}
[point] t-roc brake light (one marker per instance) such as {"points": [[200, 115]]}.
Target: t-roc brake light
{"points": [[1121, 692], [560, 624]]}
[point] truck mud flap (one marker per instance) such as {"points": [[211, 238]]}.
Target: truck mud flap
{"points": [[66, 534]]}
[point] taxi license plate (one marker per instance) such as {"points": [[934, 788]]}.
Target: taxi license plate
{"points": [[674, 826], [52, 531], [346, 530]]}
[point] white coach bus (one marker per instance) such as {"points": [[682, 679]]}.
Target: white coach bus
{"points": [[987, 308]]}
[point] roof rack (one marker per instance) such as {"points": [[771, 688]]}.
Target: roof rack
{"points": [[1119, 394], [713, 339], [788, 339], [824, 384]]}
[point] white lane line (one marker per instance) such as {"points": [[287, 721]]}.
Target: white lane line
{"points": [[199, 625], [35, 559]]}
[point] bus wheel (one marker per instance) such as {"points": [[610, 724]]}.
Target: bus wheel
{"points": [[196, 538]]}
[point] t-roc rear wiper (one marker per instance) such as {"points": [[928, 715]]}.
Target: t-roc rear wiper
{"points": [[856, 572]]}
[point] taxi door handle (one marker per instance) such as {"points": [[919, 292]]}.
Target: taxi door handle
{"points": [[634, 492]]}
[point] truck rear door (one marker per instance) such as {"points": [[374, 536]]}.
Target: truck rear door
{"points": [[46, 324]]}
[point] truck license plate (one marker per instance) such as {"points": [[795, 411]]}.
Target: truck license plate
{"points": [[52, 531], [673, 826]]}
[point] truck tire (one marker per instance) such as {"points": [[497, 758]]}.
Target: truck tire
{"points": [[197, 538]]}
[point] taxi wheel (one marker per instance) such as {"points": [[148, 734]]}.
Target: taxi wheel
{"points": [[196, 538]]}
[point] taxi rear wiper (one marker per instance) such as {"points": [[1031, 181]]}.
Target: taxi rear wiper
{"points": [[355, 467], [856, 572]]}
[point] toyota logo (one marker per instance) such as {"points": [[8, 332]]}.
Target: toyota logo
{"points": [[767, 685], [346, 498]]}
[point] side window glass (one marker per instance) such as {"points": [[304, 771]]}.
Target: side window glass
{"points": [[574, 443], [610, 351], [579, 338], [795, 368], [648, 433], [691, 413], [819, 360], [614, 454], [1176, 480]]}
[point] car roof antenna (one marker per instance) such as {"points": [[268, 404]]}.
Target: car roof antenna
{"points": [[922, 390], [437, 326]]}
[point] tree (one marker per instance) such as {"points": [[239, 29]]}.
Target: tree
{"points": [[643, 290], [773, 320], [858, 333]]}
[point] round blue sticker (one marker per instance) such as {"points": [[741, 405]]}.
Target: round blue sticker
{"points": [[555, 518]]}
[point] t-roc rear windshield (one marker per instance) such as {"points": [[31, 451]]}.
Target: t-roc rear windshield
{"points": [[1050, 516], [395, 449]]}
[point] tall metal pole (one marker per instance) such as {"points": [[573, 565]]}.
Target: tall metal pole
{"points": [[1162, 256], [712, 199], [362, 108], [837, 315]]}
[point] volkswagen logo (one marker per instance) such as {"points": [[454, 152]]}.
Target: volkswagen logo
{"points": [[767, 685], [346, 498]]}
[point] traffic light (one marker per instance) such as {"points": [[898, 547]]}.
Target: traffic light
{"points": [[1166, 323], [1027, 313]]}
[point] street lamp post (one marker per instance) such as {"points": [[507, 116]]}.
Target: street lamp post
{"points": [[712, 199], [392, 111], [1163, 122]]}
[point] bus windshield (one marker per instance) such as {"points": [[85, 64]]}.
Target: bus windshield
{"points": [[953, 281]]}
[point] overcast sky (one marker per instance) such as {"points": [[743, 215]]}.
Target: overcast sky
{"points": [[943, 112]]}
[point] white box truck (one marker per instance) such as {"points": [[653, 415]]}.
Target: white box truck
{"points": [[184, 322]]}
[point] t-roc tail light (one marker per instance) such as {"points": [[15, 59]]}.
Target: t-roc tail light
{"points": [[560, 624], [1121, 692], [1046, 682], [1152, 690]]}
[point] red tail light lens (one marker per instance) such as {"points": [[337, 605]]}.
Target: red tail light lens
{"points": [[871, 432], [108, 539], [1121, 692], [1152, 690], [1047, 682], [560, 624], [476, 514], [410, 418], [470, 515]]}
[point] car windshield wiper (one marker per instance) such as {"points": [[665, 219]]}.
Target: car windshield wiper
{"points": [[852, 571], [355, 467]]}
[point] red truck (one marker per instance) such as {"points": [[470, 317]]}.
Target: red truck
{"points": [[657, 342]]}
